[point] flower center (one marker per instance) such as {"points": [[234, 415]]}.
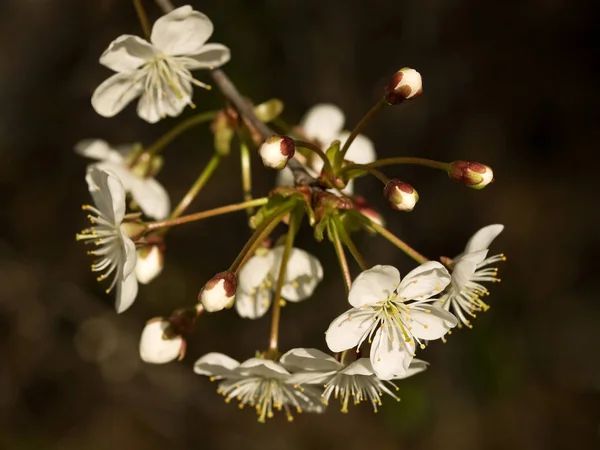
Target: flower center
{"points": [[263, 394], [358, 387], [107, 237]]}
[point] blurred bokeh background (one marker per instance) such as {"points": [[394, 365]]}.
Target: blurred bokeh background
{"points": [[510, 84]]}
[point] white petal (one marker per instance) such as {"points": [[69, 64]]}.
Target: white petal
{"points": [[347, 330], [127, 290], [463, 272], [285, 177], [156, 350], [300, 378], [210, 56], [303, 273], [361, 366], [323, 123], [108, 193], [181, 32], [130, 257], [430, 322], [424, 281], [252, 306], [263, 368], [119, 170], [309, 359], [483, 238], [152, 198], [388, 356], [115, 93], [216, 365], [150, 265], [98, 149], [373, 285], [255, 271], [127, 53], [154, 109], [361, 151], [416, 366]]}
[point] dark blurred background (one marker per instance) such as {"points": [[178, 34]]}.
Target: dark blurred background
{"points": [[510, 84]]}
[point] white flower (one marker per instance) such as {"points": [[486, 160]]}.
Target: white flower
{"points": [[263, 384], [148, 193], [323, 124], [258, 276], [159, 70], [156, 347], [219, 292], [150, 263], [469, 269], [356, 380], [396, 312], [276, 151], [114, 249]]}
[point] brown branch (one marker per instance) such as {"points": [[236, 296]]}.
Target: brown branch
{"points": [[231, 93]]}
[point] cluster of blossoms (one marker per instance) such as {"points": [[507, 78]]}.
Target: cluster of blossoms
{"points": [[318, 162]]}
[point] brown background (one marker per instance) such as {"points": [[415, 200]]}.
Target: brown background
{"points": [[511, 84]]}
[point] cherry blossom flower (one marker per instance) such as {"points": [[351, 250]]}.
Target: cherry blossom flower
{"points": [[393, 315], [150, 263], [109, 235], [159, 70], [261, 383], [469, 269], [323, 124], [148, 193], [257, 280], [356, 380]]}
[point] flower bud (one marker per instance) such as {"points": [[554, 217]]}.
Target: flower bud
{"points": [[400, 195], [404, 85], [158, 345], [150, 262], [473, 174], [277, 151], [219, 292]]}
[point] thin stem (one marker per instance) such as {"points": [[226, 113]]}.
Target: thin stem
{"points": [[165, 5], [398, 242], [205, 214], [341, 256], [197, 186], [347, 240], [318, 151], [144, 22], [276, 308], [261, 232], [361, 125], [246, 172], [398, 160], [368, 169], [180, 128]]}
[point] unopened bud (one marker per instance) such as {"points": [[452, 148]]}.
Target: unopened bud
{"points": [[150, 262], [158, 345], [473, 174], [219, 292], [404, 85], [277, 151], [400, 195]]}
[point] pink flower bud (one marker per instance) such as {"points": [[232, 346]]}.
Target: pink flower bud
{"points": [[219, 292], [400, 195], [277, 151], [404, 85], [473, 174]]}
